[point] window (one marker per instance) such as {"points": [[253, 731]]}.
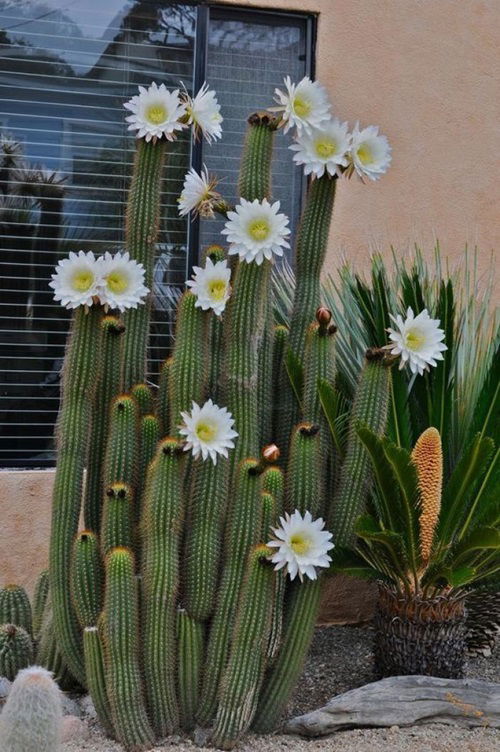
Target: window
{"points": [[65, 163]]}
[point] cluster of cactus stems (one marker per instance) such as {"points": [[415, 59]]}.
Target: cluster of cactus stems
{"points": [[167, 607]]}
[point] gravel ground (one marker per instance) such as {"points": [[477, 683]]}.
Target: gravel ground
{"points": [[340, 659]]}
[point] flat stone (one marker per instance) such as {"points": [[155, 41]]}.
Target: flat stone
{"points": [[405, 701]]}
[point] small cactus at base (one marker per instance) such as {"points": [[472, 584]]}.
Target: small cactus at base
{"points": [[15, 607], [32, 716], [16, 650]]}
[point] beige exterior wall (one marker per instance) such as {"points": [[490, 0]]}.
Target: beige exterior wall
{"points": [[426, 71]]}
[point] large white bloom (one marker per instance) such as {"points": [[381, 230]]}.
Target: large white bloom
{"points": [[198, 193], [305, 105], [302, 545], [256, 231], [204, 114], [211, 286], [370, 152], [208, 431], [121, 281], [323, 149], [76, 280], [156, 112], [418, 339]]}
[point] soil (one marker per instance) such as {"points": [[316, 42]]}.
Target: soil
{"points": [[341, 659]]}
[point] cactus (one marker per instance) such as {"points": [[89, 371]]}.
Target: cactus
{"points": [[32, 716], [142, 225], [40, 599], [15, 607], [162, 523], [79, 382], [96, 676], [190, 661], [204, 531], [87, 578], [123, 675], [245, 668], [16, 650], [243, 532], [108, 387], [186, 593], [369, 408], [117, 518]]}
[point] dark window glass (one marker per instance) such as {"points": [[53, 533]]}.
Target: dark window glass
{"points": [[66, 156]]}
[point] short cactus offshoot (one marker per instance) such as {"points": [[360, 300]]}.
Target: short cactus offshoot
{"points": [[174, 607]]}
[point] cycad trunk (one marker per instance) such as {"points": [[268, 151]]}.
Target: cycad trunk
{"points": [[415, 635]]}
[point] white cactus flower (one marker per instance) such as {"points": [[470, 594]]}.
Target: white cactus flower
{"points": [[208, 431], [302, 545], [203, 112], [370, 152], [255, 230], [156, 112], [211, 286], [418, 339], [76, 280], [324, 149], [198, 194], [304, 105], [121, 281]]}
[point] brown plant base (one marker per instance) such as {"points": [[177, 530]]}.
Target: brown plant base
{"points": [[414, 635], [483, 621]]}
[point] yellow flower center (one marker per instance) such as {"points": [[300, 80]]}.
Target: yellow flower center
{"points": [[82, 280], [365, 154], [156, 113], [206, 431], [414, 339], [217, 289], [301, 107], [259, 229], [117, 282], [325, 148], [300, 543]]}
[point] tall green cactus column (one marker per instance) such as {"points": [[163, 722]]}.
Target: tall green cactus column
{"points": [[161, 528], [369, 408], [143, 221], [247, 308], [121, 636], [311, 246], [73, 436], [108, 387]]}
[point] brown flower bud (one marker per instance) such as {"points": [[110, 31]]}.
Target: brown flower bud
{"points": [[271, 453]]}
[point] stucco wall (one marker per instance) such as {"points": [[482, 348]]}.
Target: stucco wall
{"points": [[427, 72]]}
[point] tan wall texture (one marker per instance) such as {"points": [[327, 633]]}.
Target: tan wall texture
{"points": [[426, 71]]}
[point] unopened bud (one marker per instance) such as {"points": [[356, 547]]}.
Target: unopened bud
{"points": [[323, 316], [271, 453]]}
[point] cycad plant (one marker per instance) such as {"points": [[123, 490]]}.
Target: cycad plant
{"points": [[168, 606], [426, 542]]}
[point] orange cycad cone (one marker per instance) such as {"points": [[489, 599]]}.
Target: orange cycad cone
{"points": [[428, 458]]}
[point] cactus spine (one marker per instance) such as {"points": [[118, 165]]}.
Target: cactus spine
{"points": [[32, 716], [245, 669], [369, 408], [123, 676], [15, 607], [162, 523], [190, 660], [16, 650]]}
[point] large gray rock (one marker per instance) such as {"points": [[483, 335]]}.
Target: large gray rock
{"points": [[405, 701]]}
